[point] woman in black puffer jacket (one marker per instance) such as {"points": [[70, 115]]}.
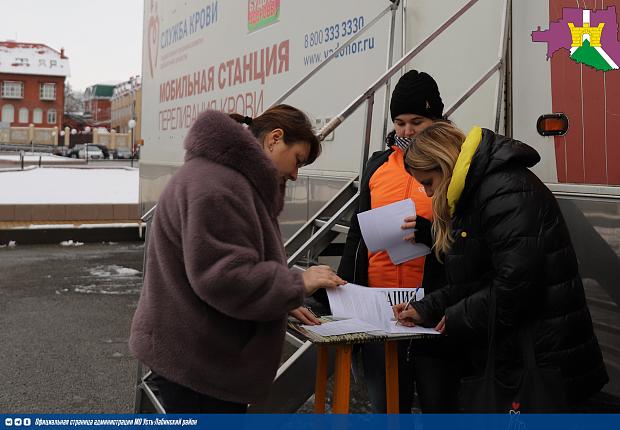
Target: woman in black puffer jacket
{"points": [[498, 228]]}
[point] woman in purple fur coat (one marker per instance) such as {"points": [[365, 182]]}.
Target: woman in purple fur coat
{"points": [[211, 318]]}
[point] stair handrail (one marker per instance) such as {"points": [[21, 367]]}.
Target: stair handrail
{"points": [[369, 97], [329, 203], [287, 93], [369, 93], [149, 214], [321, 231]]}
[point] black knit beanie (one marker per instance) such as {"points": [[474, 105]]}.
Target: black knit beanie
{"points": [[417, 93]]}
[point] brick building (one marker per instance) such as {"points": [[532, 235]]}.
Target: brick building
{"points": [[98, 104], [32, 84]]}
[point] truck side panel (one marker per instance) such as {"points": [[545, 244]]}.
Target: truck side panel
{"points": [[584, 159], [589, 98]]}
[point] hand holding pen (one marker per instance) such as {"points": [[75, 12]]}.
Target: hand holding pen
{"points": [[305, 315], [406, 314]]}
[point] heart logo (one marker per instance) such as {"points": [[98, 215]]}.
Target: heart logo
{"points": [[516, 406], [153, 35]]}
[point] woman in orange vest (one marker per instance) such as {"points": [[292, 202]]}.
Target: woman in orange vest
{"points": [[424, 365]]}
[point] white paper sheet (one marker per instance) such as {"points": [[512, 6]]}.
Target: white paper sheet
{"points": [[381, 230], [395, 296], [373, 307], [401, 329], [336, 328], [355, 301]]}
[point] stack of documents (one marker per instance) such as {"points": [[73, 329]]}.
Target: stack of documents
{"points": [[381, 230], [369, 310]]}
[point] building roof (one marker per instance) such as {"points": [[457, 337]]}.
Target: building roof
{"points": [[32, 59], [127, 87], [99, 91], [75, 119]]}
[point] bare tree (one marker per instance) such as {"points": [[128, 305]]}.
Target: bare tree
{"points": [[73, 99]]}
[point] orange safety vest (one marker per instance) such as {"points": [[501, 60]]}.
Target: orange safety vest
{"points": [[391, 183]]}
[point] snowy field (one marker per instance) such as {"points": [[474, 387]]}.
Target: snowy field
{"points": [[45, 158], [59, 185]]}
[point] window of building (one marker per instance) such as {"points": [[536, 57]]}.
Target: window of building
{"points": [[12, 90], [51, 116], [37, 116], [47, 91], [23, 116], [8, 113]]}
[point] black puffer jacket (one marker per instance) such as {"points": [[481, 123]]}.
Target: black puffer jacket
{"points": [[510, 236]]}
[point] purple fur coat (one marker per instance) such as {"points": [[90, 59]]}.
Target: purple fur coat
{"points": [[212, 312]]}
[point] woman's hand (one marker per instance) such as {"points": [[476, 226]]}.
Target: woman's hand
{"points": [[317, 277], [406, 315], [409, 223], [305, 315], [441, 327]]}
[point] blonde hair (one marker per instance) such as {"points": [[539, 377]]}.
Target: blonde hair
{"points": [[437, 148]]}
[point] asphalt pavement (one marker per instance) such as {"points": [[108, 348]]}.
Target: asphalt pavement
{"points": [[65, 314]]}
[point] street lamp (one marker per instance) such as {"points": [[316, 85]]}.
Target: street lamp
{"points": [[54, 145], [64, 148], [73, 133], [131, 124], [31, 136], [86, 131]]}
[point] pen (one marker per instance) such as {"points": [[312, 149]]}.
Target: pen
{"points": [[313, 314], [411, 300], [406, 307], [311, 311]]}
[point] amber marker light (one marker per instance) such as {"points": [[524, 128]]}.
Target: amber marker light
{"points": [[553, 124]]}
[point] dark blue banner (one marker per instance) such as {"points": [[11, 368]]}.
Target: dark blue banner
{"points": [[312, 422]]}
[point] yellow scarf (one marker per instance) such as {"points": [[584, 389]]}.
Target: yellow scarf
{"points": [[459, 173]]}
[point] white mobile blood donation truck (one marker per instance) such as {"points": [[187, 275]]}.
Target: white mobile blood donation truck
{"points": [[514, 66]]}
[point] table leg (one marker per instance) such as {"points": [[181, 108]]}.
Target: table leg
{"points": [[320, 386], [342, 379], [391, 376]]}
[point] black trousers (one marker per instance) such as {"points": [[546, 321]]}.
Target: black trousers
{"points": [[178, 399], [434, 375]]}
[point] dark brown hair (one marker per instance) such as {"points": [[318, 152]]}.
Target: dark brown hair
{"points": [[295, 124]]}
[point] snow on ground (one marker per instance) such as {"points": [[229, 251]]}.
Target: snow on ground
{"points": [[45, 157], [71, 243], [109, 280], [69, 186], [114, 290], [113, 270], [77, 225]]}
